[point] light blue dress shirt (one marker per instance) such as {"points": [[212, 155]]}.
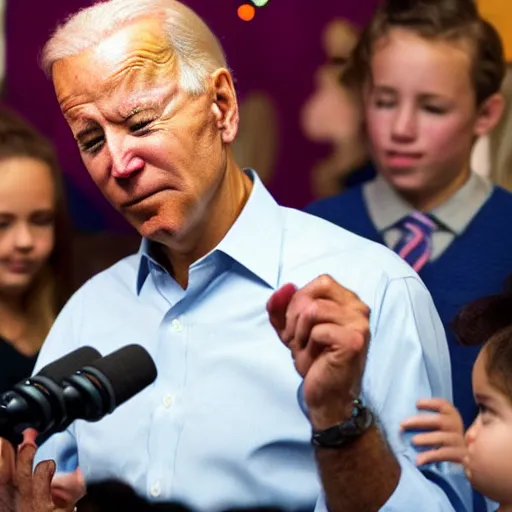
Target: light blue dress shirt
{"points": [[222, 426]]}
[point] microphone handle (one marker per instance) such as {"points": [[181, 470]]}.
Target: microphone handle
{"points": [[85, 398], [7, 431], [34, 403], [72, 410]]}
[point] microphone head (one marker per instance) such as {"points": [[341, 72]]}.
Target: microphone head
{"points": [[70, 363], [127, 371]]}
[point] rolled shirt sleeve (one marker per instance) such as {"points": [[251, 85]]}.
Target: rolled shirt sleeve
{"points": [[395, 378]]}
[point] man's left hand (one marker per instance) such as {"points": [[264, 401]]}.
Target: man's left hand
{"points": [[326, 328]]}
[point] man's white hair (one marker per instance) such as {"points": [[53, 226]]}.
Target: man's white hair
{"points": [[198, 52]]}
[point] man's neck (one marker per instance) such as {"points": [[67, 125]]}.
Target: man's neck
{"points": [[216, 220]]}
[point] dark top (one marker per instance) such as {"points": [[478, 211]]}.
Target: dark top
{"points": [[14, 366]]}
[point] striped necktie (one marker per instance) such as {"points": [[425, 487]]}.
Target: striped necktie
{"points": [[415, 244]]}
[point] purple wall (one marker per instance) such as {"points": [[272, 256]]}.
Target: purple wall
{"points": [[276, 53]]}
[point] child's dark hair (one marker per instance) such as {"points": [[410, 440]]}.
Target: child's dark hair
{"points": [[489, 321], [450, 20]]}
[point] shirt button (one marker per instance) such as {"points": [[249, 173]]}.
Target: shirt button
{"points": [[155, 490], [168, 401], [176, 325]]}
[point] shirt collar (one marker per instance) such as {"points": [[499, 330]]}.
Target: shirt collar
{"points": [[145, 263], [459, 210], [254, 240], [387, 207]]}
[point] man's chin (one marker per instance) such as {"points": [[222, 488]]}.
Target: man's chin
{"points": [[163, 223], [158, 230]]}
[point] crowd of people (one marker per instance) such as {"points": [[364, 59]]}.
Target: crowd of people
{"points": [[353, 357]]}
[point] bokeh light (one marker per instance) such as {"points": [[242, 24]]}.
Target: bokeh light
{"points": [[246, 12], [260, 3]]}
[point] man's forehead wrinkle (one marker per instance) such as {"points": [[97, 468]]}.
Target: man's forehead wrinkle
{"points": [[140, 67], [70, 103], [147, 54], [118, 78]]}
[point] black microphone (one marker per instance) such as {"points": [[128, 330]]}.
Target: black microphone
{"points": [[33, 402], [59, 369], [91, 393], [97, 389]]}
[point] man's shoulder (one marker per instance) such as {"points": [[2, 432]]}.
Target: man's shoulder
{"points": [[121, 274], [310, 240]]}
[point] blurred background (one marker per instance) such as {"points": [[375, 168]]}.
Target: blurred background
{"points": [[273, 57], [299, 129]]}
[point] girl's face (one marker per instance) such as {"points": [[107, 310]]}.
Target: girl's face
{"points": [[27, 211], [420, 113], [489, 439]]}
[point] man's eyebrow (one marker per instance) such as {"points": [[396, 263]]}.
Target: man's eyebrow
{"points": [[127, 113], [87, 131], [153, 101]]}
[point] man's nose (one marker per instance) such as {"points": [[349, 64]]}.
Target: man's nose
{"points": [[124, 162]]}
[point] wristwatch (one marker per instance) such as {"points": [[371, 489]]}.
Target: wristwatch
{"points": [[338, 435]]}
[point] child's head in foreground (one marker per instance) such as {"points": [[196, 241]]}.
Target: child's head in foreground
{"points": [[489, 439]]}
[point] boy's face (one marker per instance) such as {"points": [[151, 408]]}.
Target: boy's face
{"points": [[420, 113], [489, 439]]}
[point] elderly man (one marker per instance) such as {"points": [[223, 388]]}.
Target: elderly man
{"points": [[235, 418]]}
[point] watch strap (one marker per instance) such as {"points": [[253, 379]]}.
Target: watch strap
{"points": [[338, 435]]}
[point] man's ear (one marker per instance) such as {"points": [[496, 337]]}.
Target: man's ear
{"points": [[225, 105], [489, 114]]}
